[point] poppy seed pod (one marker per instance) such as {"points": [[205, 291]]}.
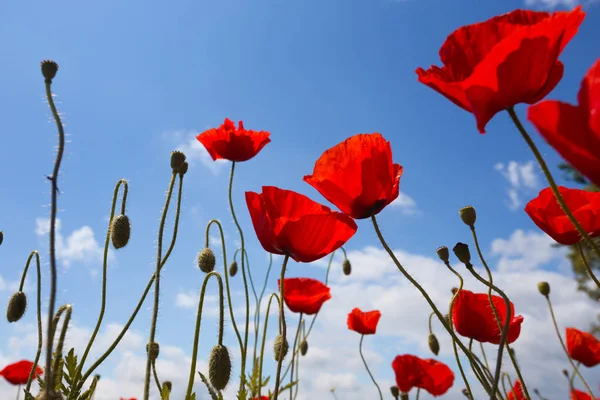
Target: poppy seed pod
{"points": [[544, 288], [303, 347], [461, 251], [153, 349], [395, 391], [1, 237], [443, 253], [233, 268], [434, 345], [16, 306], [49, 69], [120, 230], [280, 348], [184, 169], [206, 260], [346, 267], [177, 160], [468, 215], [219, 367]]}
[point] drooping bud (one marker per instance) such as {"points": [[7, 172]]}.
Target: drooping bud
{"points": [[206, 260], [346, 267], [395, 391], [544, 288], [454, 290], [303, 347], [1, 237], [120, 230], [16, 306], [443, 253], [465, 393], [434, 345], [153, 349], [468, 215], [49, 69], [233, 268], [177, 160], [219, 367], [280, 348], [461, 251], [184, 169]]}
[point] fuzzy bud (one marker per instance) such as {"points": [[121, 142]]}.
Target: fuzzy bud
{"points": [[461, 251], [468, 215], [1, 237], [544, 288], [168, 385], [219, 367], [346, 266], [49, 69], [280, 348], [153, 349], [97, 377], [233, 268], [443, 253], [303, 347], [120, 230], [206, 260], [177, 160], [395, 391], [184, 169], [16, 306], [434, 345]]}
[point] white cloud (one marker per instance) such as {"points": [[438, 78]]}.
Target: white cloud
{"points": [[522, 179], [551, 4], [405, 203], [194, 150]]}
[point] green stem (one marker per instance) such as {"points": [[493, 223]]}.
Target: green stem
{"points": [[39, 310], [264, 338], [298, 359], [587, 265], [418, 393], [156, 380], [487, 365], [367, 367], [67, 310], [505, 374], [282, 323], [294, 354], [257, 310]]}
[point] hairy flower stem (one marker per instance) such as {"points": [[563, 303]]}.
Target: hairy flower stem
{"points": [[282, 323], [257, 310], [39, 310], [367, 367], [188, 393], [298, 359], [487, 365], [551, 181], [53, 212], [423, 293], [264, 338], [296, 343], [67, 310], [587, 265], [239, 228], [157, 285], [506, 375], [156, 380], [562, 343]]}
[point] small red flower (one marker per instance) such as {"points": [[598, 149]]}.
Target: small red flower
{"points": [[430, 375], [18, 373], [517, 392], [579, 395], [233, 144], [289, 223], [474, 318], [506, 60], [358, 175], [304, 295], [583, 347], [546, 213], [261, 398], [574, 131], [364, 323]]}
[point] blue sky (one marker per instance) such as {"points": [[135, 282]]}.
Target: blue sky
{"points": [[138, 80]]}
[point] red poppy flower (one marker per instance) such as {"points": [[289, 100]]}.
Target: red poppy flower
{"points": [[261, 398], [430, 375], [289, 223], [233, 144], [583, 347], [574, 131], [509, 59], [364, 323], [358, 175], [517, 392], [546, 213], [579, 395], [474, 318], [18, 373], [304, 295]]}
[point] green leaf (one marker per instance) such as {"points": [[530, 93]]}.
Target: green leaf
{"points": [[211, 391]]}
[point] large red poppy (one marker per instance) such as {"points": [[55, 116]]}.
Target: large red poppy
{"points": [[304, 295], [292, 224], [583, 347], [358, 175], [574, 131], [430, 375], [517, 392], [546, 213], [18, 373], [509, 59], [233, 144], [579, 395], [364, 323], [474, 318]]}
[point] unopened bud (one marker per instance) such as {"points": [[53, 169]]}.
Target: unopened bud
{"points": [[280, 348], [346, 267], [97, 377], [468, 215], [544, 288], [16, 306], [233, 268], [565, 373], [465, 393], [303, 347], [168, 385], [443, 253], [461, 251], [177, 160], [153, 349], [1, 237], [454, 290], [120, 230], [219, 367], [206, 260], [395, 391], [184, 169], [49, 69], [434, 345]]}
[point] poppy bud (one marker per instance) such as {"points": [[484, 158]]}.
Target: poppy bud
{"points": [[461, 251], [395, 391], [434, 345], [404, 396], [177, 160], [120, 230], [184, 168], [153, 349], [346, 267], [233, 268], [566, 373], [168, 385], [1, 237], [454, 290], [49, 69], [544, 288], [16, 306], [468, 215], [280, 348], [206, 260], [219, 367], [97, 377], [303, 347], [465, 392], [443, 254]]}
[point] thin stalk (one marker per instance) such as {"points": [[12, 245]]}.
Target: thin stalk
{"points": [[258, 304], [39, 310], [156, 380], [264, 338], [587, 265], [487, 365], [367, 367], [282, 323], [294, 354]]}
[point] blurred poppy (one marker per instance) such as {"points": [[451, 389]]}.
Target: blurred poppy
{"points": [[430, 375], [474, 318], [517, 392], [227, 142], [583, 347], [18, 373], [509, 59], [574, 131], [261, 398], [364, 323], [292, 224], [546, 213], [304, 295], [579, 395], [358, 175]]}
